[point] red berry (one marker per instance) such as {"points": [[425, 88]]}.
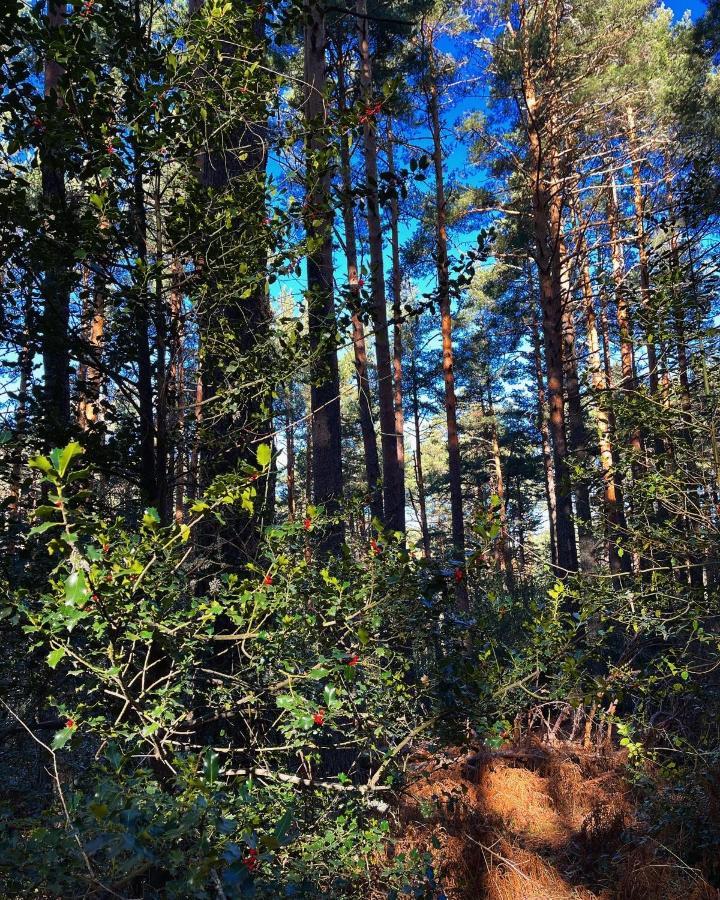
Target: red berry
{"points": [[106, 548], [354, 660], [251, 859], [267, 579], [306, 524], [70, 723], [319, 717], [459, 575], [361, 282], [375, 547]]}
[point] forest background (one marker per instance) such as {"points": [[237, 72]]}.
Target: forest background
{"points": [[359, 401]]}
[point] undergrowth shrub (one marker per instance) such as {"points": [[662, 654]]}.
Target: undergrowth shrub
{"points": [[215, 731]]}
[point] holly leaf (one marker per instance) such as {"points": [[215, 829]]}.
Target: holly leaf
{"points": [[61, 738], [264, 455], [62, 458], [76, 589], [55, 656], [211, 767], [151, 517]]}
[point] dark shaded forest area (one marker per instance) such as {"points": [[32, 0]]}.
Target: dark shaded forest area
{"points": [[360, 449]]}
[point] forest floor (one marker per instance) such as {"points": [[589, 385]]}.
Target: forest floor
{"points": [[539, 823]]}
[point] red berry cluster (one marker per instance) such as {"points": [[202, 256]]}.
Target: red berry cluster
{"points": [[370, 112]]}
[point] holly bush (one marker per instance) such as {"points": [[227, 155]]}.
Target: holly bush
{"points": [[221, 730]]}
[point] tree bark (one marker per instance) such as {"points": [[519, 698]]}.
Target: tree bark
{"points": [[290, 451], [578, 438], [235, 321], [443, 282], [499, 482], [367, 427], [141, 301], [542, 420], [162, 447], [643, 255], [547, 198], [325, 390], [397, 307], [393, 476], [89, 377], [419, 477], [619, 561], [56, 281], [176, 381]]}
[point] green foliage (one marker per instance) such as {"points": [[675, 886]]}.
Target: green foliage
{"points": [[154, 668]]}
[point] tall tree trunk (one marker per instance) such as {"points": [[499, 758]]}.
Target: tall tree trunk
{"points": [[419, 477], [162, 448], [642, 248], [367, 427], [290, 452], [443, 281], [57, 278], [393, 476], [325, 390], [89, 377], [677, 300], [176, 381], [578, 439], [234, 321], [547, 193], [542, 421], [25, 364], [694, 564], [141, 301], [196, 462], [499, 482], [627, 352], [619, 561], [397, 305]]}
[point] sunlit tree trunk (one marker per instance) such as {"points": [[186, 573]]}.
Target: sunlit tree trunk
{"points": [[89, 377], [547, 197]]}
